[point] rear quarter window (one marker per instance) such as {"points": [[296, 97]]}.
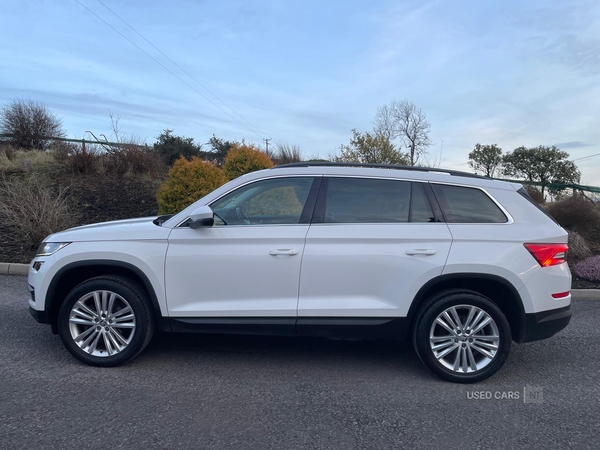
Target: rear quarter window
{"points": [[467, 205], [526, 195]]}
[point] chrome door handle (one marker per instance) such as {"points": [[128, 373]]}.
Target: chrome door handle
{"points": [[286, 251], [421, 251]]}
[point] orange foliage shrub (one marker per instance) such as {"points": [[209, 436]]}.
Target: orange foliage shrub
{"points": [[245, 158], [187, 182]]}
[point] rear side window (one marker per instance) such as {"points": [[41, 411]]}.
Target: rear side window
{"points": [[365, 200], [467, 205]]}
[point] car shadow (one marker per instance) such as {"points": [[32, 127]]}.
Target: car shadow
{"points": [[301, 353]]}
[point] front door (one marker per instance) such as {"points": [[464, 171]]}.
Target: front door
{"points": [[248, 263]]}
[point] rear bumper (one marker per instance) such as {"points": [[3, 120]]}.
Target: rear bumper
{"points": [[544, 324]]}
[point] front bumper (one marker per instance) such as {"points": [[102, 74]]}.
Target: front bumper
{"points": [[40, 316], [542, 325]]}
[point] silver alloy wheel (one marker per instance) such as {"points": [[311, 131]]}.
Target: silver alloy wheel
{"points": [[102, 323], [464, 338]]}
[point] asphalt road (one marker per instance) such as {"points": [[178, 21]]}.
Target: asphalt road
{"points": [[213, 392]]}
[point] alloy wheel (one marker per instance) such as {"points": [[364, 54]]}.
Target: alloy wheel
{"points": [[102, 323], [464, 338]]}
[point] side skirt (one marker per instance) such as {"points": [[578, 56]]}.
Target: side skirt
{"points": [[328, 327]]}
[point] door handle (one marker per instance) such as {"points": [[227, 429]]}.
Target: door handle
{"points": [[284, 251], [421, 251]]}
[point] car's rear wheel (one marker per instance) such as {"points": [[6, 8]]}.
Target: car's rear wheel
{"points": [[105, 321], [462, 337]]}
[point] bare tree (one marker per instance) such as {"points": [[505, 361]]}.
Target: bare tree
{"points": [[407, 123], [30, 124], [115, 126]]}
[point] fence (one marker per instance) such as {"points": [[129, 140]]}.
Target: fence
{"points": [[83, 142], [557, 186]]}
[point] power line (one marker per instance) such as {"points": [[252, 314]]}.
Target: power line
{"points": [[181, 68], [586, 157], [169, 70]]}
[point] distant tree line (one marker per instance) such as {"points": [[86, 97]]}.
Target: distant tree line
{"points": [[400, 135], [541, 164]]}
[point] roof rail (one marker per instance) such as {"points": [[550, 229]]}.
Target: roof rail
{"points": [[377, 166]]}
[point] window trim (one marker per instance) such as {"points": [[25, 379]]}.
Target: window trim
{"points": [[509, 217], [430, 198]]}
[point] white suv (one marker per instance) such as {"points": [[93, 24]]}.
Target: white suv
{"points": [[460, 264]]}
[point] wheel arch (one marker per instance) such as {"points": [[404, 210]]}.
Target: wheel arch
{"points": [[498, 289], [77, 272]]}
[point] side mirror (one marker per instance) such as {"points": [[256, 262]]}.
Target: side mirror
{"points": [[202, 217]]}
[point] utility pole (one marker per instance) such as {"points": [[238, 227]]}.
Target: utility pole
{"points": [[267, 145]]}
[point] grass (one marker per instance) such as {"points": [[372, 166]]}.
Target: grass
{"points": [[12, 161]]}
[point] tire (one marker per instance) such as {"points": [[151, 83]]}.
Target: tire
{"points": [[480, 354], [111, 339]]}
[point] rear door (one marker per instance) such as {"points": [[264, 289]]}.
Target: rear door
{"points": [[373, 243]]}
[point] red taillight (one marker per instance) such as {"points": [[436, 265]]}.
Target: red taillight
{"points": [[548, 254], [561, 294]]}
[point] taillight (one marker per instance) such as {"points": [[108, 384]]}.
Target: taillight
{"points": [[548, 254]]}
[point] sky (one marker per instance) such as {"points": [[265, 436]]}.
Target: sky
{"points": [[307, 72]]}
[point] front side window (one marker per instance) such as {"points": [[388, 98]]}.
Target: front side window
{"points": [[266, 202], [467, 205], [365, 200]]}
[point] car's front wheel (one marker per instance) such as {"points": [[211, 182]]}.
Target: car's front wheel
{"points": [[105, 321], [462, 337]]}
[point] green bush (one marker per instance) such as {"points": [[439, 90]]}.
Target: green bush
{"points": [[245, 158], [171, 147], [187, 182]]}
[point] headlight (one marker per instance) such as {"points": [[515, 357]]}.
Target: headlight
{"points": [[49, 248]]}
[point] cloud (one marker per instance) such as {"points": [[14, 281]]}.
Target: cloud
{"points": [[574, 144]]}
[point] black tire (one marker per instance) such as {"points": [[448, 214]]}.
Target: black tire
{"points": [[423, 327], [137, 299]]}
